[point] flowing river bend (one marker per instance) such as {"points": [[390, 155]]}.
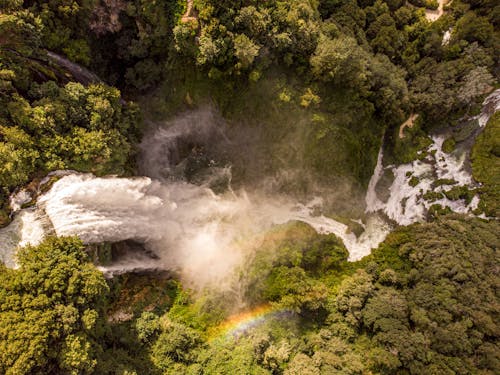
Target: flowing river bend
{"points": [[191, 229]]}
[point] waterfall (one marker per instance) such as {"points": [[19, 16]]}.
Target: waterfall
{"points": [[373, 203], [27, 228], [188, 227], [178, 218], [191, 229], [79, 73], [407, 202], [17, 200]]}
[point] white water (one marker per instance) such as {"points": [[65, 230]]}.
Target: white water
{"points": [[446, 37], [18, 199], [188, 227], [373, 203], [192, 230], [28, 228], [490, 105], [406, 203], [375, 231]]}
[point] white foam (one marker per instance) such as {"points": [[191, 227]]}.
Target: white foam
{"points": [[446, 37], [406, 203], [18, 199], [27, 228], [187, 226]]}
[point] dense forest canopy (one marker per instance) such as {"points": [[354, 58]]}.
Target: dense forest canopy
{"points": [[318, 87]]}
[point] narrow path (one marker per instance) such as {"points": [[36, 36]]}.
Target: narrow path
{"points": [[433, 15], [408, 123], [186, 17]]}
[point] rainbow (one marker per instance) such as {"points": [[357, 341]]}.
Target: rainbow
{"points": [[238, 324]]}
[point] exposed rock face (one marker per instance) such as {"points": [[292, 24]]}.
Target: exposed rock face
{"points": [[106, 16]]}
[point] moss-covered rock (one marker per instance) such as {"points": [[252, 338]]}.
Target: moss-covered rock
{"points": [[443, 181], [449, 145], [432, 196], [460, 192], [414, 180]]}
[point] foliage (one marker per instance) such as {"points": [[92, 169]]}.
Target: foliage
{"points": [[281, 269], [449, 145], [408, 308], [318, 84], [52, 310], [424, 299], [411, 147], [486, 166], [47, 125]]}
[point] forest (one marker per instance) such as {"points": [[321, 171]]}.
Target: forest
{"points": [[307, 93]]}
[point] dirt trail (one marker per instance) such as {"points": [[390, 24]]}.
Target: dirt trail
{"points": [[187, 17], [408, 123], [433, 15]]}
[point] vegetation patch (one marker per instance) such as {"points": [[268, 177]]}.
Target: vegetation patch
{"points": [[486, 166], [449, 145], [443, 181], [414, 180], [460, 192], [412, 146], [432, 196]]}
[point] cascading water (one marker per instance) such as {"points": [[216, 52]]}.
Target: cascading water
{"points": [[185, 225], [373, 203], [79, 73], [27, 228], [407, 202], [191, 229], [19, 199]]}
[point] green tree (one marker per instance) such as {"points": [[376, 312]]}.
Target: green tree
{"points": [[340, 58], [352, 296], [51, 310], [245, 50], [472, 28], [476, 84], [176, 343], [17, 157]]}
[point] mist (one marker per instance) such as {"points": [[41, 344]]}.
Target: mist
{"points": [[186, 215], [184, 210]]}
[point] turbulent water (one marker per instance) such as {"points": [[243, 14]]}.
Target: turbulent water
{"points": [[191, 229], [185, 224], [407, 203], [188, 227]]}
